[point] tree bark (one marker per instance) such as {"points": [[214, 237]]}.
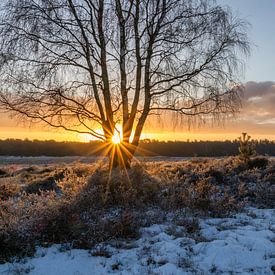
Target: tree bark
{"points": [[121, 155]]}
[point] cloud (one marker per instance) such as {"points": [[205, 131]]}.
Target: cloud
{"points": [[259, 103], [257, 116], [253, 89]]}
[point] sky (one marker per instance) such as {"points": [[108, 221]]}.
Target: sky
{"points": [[261, 15], [258, 113]]}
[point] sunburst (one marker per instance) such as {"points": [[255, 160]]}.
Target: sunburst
{"points": [[116, 138]]}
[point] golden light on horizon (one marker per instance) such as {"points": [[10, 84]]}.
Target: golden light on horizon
{"points": [[231, 133], [84, 138]]}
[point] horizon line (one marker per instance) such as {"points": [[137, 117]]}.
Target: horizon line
{"points": [[143, 139]]}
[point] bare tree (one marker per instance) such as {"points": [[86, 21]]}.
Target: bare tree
{"points": [[81, 65]]}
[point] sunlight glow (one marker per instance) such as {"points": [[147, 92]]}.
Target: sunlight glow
{"points": [[85, 137], [116, 138]]}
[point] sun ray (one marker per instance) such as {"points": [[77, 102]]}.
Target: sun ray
{"points": [[116, 139]]}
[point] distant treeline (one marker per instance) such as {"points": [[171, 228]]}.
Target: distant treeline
{"points": [[16, 147]]}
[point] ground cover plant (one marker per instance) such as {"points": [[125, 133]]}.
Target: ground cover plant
{"points": [[82, 205]]}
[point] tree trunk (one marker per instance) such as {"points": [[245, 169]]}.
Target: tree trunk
{"points": [[121, 155]]}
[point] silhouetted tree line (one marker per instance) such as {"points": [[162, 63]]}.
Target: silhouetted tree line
{"points": [[16, 147]]}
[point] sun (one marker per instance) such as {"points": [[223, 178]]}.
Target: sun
{"points": [[116, 139]]}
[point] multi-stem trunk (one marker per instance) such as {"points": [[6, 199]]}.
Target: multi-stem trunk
{"points": [[121, 155]]}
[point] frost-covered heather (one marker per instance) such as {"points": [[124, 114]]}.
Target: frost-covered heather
{"points": [[48, 160], [80, 206], [243, 244]]}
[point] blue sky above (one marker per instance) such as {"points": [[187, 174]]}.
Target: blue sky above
{"points": [[261, 15]]}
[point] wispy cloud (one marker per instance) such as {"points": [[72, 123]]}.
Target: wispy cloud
{"points": [[259, 102]]}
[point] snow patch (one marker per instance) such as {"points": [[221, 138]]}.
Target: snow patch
{"points": [[242, 244]]}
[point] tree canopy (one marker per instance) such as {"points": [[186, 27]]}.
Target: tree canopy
{"points": [[83, 65]]}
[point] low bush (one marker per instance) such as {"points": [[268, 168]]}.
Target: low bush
{"points": [[3, 173], [216, 174], [8, 189], [265, 194], [46, 183], [20, 219], [260, 163], [84, 205]]}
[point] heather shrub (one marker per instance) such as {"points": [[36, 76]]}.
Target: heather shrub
{"points": [[117, 224], [264, 195], [3, 173], [258, 162], [208, 197], [40, 217], [8, 188], [21, 221], [201, 194], [74, 215], [217, 175], [86, 204], [46, 183], [82, 170], [240, 167], [134, 187], [12, 246]]}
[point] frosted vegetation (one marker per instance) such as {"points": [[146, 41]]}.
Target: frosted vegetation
{"points": [[200, 215]]}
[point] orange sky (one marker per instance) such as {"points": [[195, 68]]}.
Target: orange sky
{"points": [[20, 133], [258, 124], [256, 118]]}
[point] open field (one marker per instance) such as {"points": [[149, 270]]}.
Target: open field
{"points": [[164, 216], [48, 160]]}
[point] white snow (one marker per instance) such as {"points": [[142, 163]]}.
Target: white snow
{"points": [[243, 244]]}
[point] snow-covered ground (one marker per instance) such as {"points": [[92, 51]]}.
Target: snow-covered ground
{"points": [[243, 244]]}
